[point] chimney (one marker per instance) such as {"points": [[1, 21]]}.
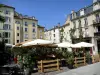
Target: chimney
{"points": [[33, 17], [58, 24], [45, 29], [53, 26], [72, 11]]}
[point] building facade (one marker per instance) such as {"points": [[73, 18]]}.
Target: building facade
{"points": [[85, 22], [40, 32], [53, 34], [6, 28], [19, 28]]}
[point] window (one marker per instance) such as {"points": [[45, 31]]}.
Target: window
{"points": [[25, 23], [40, 30], [9, 26], [7, 12], [86, 21], [5, 34], [17, 28], [17, 34], [33, 36], [6, 40], [17, 41], [97, 18], [26, 36], [74, 23], [54, 35], [0, 34], [54, 30], [33, 30], [25, 29], [79, 23], [7, 19], [33, 24], [17, 22], [5, 27]]}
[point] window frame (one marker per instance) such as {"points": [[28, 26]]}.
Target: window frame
{"points": [[33, 30], [26, 29], [17, 34], [26, 24], [33, 24]]}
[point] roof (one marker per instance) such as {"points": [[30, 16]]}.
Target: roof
{"points": [[3, 5], [40, 26], [58, 27], [20, 16], [88, 9]]}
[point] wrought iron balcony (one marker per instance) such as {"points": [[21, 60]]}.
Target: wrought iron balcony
{"points": [[96, 22], [97, 34]]}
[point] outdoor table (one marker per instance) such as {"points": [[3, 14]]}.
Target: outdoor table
{"points": [[93, 69]]}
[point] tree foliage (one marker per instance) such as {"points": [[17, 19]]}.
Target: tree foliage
{"points": [[2, 19], [80, 33], [61, 35], [72, 32]]}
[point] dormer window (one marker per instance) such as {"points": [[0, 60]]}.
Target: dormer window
{"points": [[81, 12]]}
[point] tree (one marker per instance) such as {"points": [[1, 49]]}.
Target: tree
{"points": [[72, 32], [2, 19], [4, 55], [80, 32], [61, 35], [2, 42]]}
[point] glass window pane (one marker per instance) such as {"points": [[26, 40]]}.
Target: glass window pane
{"points": [[33, 24], [6, 34], [33, 30], [26, 24], [25, 29], [6, 40]]}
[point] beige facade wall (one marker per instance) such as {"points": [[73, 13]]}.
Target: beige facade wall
{"points": [[18, 30], [40, 33], [25, 35], [30, 28], [88, 30]]}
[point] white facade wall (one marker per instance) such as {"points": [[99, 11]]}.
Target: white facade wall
{"points": [[53, 35], [11, 23]]}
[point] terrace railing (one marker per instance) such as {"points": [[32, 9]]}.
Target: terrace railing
{"points": [[48, 65], [79, 61]]}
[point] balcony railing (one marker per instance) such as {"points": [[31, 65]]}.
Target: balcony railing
{"points": [[96, 22], [97, 33]]}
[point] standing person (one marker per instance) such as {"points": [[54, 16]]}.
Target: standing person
{"points": [[15, 59]]}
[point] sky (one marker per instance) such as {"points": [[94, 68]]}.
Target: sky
{"points": [[48, 12]]}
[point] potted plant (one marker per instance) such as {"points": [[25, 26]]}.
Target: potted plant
{"points": [[88, 58], [70, 60], [28, 64]]}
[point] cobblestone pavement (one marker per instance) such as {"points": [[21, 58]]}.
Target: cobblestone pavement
{"points": [[63, 69]]}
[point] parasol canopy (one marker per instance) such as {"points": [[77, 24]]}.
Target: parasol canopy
{"points": [[82, 44]]}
